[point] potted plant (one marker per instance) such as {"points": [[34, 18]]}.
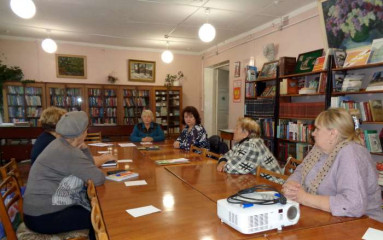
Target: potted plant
{"points": [[173, 80], [112, 79]]}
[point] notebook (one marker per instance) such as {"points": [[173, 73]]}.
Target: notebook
{"points": [[111, 163], [122, 176]]}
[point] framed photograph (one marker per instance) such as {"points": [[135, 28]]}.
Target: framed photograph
{"points": [[350, 24], [141, 71], [305, 62], [237, 69], [269, 70], [70, 66]]}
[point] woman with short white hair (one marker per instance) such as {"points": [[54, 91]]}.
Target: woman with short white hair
{"points": [[147, 130]]}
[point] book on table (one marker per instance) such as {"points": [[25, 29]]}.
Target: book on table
{"points": [[118, 177], [172, 161], [111, 163]]}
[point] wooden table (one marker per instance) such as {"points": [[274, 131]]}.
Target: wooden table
{"points": [[187, 195], [227, 134]]}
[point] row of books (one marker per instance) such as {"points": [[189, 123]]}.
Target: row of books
{"points": [[296, 150], [295, 130], [65, 101], [267, 126], [33, 91], [300, 109], [99, 102], [100, 120], [259, 107], [15, 100], [130, 121], [16, 112], [101, 112], [371, 111], [57, 91], [135, 93], [372, 141], [98, 92], [34, 112], [250, 90], [16, 90], [33, 100], [130, 112], [132, 102]]}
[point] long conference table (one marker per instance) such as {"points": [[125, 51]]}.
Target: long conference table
{"points": [[187, 195]]}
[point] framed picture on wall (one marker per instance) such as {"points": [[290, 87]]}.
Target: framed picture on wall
{"points": [[269, 70], [237, 69], [305, 61], [70, 66], [237, 85], [141, 71]]}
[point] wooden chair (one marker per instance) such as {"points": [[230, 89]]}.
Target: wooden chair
{"points": [[271, 176], [291, 165], [98, 221], [91, 189], [93, 137], [11, 198], [197, 150], [212, 155], [11, 169]]}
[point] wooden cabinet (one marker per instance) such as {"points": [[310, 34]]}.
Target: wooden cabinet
{"points": [[23, 102], [134, 101], [68, 96]]}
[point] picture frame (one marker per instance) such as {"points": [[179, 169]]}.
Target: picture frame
{"points": [[336, 27], [141, 71], [306, 61], [71, 66], [269, 70], [237, 69]]}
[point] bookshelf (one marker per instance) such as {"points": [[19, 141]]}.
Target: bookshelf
{"points": [[135, 100], [23, 102], [168, 108], [67, 96], [102, 104]]}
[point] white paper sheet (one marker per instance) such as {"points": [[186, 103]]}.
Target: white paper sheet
{"points": [[141, 211], [373, 234], [146, 143], [124, 160], [100, 144], [103, 152], [135, 183], [127, 144]]}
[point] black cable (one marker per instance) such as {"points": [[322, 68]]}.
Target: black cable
{"points": [[238, 198]]}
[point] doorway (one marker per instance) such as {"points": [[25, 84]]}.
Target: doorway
{"points": [[216, 98]]}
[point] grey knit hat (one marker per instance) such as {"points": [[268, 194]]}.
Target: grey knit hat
{"points": [[72, 124]]}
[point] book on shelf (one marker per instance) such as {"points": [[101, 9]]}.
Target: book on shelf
{"points": [[352, 82], [376, 108], [376, 54], [307, 90], [172, 161], [251, 73], [319, 63], [322, 82], [376, 82], [118, 177], [338, 82], [289, 86], [267, 91], [251, 89], [339, 57], [287, 65], [357, 57], [374, 142]]}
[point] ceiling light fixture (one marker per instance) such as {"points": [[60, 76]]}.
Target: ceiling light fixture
{"points": [[207, 31], [167, 55], [49, 45], [23, 8]]}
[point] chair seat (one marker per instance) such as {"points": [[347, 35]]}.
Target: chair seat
{"points": [[24, 233]]}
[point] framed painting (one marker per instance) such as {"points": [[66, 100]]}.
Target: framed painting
{"points": [[70, 66], [305, 61], [237, 69], [269, 70], [350, 24], [141, 71]]}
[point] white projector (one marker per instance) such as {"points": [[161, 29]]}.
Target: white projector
{"points": [[258, 218]]}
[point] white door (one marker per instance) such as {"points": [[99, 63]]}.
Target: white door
{"points": [[223, 99]]}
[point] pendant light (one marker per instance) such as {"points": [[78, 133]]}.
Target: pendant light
{"points": [[23, 8], [49, 45], [207, 31], [167, 55]]}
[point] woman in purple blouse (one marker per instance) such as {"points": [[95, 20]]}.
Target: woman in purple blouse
{"points": [[338, 175]]}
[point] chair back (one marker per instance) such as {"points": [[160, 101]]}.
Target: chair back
{"points": [[10, 195], [291, 165], [93, 137], [217, 145], [270, 175], [91, 189], [98, 221], [212, 155], [11, 169], [197, 150]]}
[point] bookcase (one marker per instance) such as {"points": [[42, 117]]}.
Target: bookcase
{"points": [[168, 107], [102, 104], [67, 96], [287, 118], [23, 102], [135, 100]]}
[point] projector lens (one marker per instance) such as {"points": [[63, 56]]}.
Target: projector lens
{"points": [[292, 213]]}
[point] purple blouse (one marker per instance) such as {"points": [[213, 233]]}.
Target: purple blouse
{"points": [[351, 183]]}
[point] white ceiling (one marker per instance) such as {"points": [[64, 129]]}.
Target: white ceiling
{"points": [[143, 23]]}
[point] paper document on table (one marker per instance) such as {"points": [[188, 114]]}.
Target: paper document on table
{"points": [[141, 211], [127, 144], [135, 183], [100, 144], [124, 160], [146, 143], [373, 234], [172, 161], [103, 152]]}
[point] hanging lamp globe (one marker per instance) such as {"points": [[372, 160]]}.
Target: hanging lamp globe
{"points": [[167, 56], [49, 45], [206, 32], [23, 8]]}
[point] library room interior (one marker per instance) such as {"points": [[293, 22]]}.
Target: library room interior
{"points": [[191, 119]]}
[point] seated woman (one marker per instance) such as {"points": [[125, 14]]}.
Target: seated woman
{"points": [[338, 175], [48, 120], [249, 152], [147, 131], [55, 200], [194, 133]]}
